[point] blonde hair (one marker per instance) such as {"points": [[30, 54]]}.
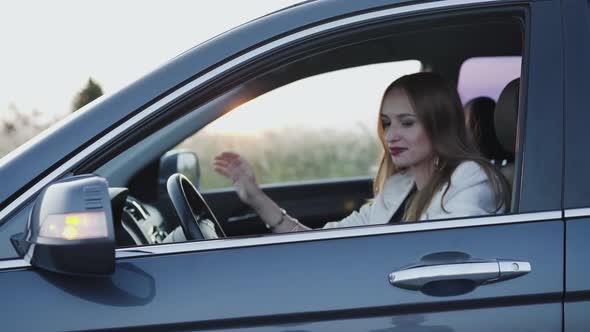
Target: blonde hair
{"points": [[438, 108]]}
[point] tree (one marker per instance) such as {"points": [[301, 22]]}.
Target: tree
{"points": [[9, 125], [90, 92]]}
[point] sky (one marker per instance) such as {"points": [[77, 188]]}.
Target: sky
{"points": [[51, 48], [341, 100]]}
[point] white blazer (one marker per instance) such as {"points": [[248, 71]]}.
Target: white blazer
{"points": [[470, 194]]}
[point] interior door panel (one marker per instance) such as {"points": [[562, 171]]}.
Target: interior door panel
{"points": [[313, 203]]}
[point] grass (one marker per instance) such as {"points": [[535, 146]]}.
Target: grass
{"points": [[288, 154], [291, 154]]}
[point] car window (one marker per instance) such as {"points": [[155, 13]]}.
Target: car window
{"points": [[481, 81], [487, 76], [320, 127], [307, 121]]}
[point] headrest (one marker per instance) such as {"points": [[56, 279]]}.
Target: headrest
{"points": [[505, 116], [481, 125]]}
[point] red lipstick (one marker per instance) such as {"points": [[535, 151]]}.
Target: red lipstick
{"points": [[395, 151]]}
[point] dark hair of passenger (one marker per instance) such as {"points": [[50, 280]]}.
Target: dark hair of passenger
{"points": [[481, 126], [439, 109]]}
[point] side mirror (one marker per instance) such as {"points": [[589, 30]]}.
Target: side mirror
{"points": [[70, 229], [184, 162]]}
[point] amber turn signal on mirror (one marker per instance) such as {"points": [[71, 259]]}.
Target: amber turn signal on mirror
{"points": [[70, 229]]}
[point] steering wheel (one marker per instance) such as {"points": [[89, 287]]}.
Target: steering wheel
{"points": [[191, 208]]}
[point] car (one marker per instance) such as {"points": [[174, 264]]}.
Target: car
{"points": [[86, 212]]}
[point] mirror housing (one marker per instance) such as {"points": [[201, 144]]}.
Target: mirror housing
{"points": [[180, 161], [70, 228]]}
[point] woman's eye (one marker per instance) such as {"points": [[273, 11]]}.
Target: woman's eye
{"points": [[407, 123], [385, 124]]}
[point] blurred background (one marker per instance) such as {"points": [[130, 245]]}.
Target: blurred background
{"points": [[59, 55]]}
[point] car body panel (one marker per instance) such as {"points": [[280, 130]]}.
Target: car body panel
{"points": [[577, 163], [577, 256], [321, 281], [544, 105], [577, 283], [577, 70]]}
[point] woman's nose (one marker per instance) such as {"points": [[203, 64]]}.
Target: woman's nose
{"points": [[391, 135]]}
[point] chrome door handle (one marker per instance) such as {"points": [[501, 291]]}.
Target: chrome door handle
{"points": [[481, 272]]}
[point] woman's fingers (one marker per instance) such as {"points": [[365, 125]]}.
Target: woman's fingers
{"points": [[221, 159], [234, 176], [220, 163], [228, 156], [231, 168], [229, 159], [232, 165], [222, 171]]}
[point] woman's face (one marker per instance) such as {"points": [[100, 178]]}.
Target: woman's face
{"points": [[405, 137]]}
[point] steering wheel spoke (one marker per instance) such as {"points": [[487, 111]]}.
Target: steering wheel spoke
{"points": [[191, 208]]}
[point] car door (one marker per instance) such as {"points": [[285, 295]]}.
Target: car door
{"points": [[346, 279], [577, 161]]}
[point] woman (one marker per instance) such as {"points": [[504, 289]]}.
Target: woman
{"points": [[429, 168]]}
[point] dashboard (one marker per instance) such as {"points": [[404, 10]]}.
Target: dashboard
{"points": [[137, 223]]}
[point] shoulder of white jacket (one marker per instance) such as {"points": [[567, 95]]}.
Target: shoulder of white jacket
{"points": [[467, 169], [397, 181], [396, 187]]}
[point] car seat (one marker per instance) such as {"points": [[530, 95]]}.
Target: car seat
{"points": [[480, 113], [505, 121]]}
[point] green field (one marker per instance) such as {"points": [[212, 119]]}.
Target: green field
{"points": [[289, 155]]}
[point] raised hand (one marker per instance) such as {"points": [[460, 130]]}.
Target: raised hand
{"points": [[239, 170]]}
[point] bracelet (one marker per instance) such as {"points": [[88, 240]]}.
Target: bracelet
{"points": [[283, 214]]}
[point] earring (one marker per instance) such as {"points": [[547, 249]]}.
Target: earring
{"points": [[437, 163]]}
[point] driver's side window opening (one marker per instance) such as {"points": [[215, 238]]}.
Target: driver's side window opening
{"points": [[309, 128]]}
